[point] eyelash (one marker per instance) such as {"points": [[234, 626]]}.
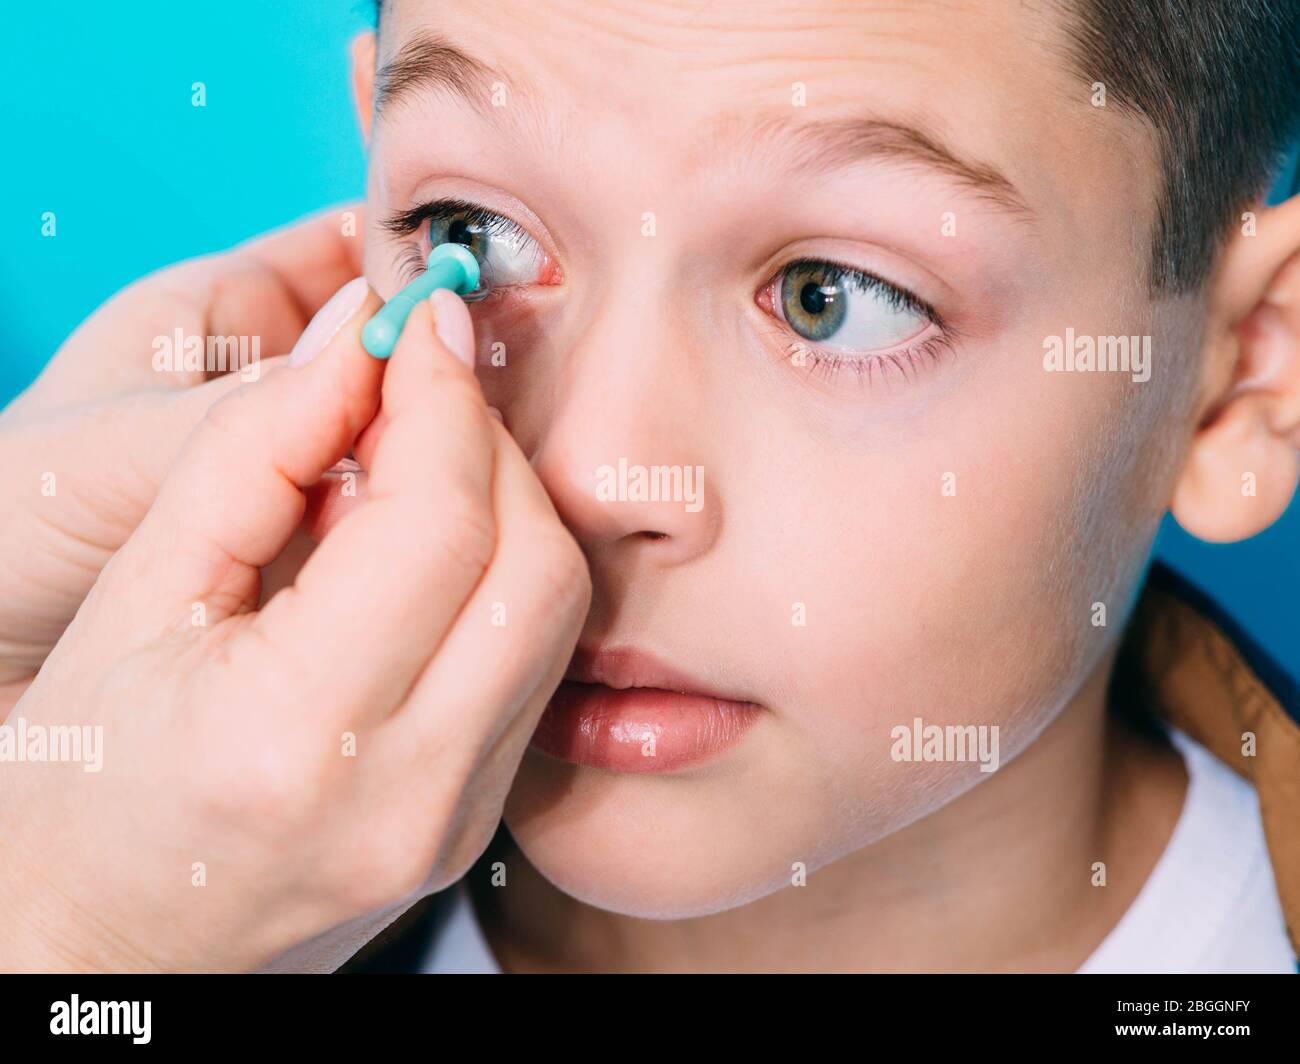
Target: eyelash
{"points": [[821, 362], [827, 364], [411, 257]]}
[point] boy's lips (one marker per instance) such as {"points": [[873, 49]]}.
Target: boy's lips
{"points": [[622, 710]]}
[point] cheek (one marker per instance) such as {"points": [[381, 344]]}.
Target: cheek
{"points": [[953, 577], [518, 348], [944, 567]]}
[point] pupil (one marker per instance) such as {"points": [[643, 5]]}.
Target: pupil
{"points": [[812, 297], [460, 232]]}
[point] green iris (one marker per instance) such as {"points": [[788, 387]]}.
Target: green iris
{"points": [[814, 299], [459, 229]]}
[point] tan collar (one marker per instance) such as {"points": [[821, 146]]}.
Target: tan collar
{"points": [[1191, 666]]}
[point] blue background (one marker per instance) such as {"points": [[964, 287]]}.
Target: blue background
{"points": [[96, 99]]}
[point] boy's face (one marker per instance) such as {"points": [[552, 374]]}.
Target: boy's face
{"points": [[897, 472]]}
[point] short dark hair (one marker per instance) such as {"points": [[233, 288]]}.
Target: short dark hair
{"points": [[1218, 81]]}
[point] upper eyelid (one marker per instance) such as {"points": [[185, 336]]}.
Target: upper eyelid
{"points": [[910, 298], [893, 265], [406, 222]]}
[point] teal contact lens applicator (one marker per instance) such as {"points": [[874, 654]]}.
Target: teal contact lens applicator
{"points": [[452, 266]]}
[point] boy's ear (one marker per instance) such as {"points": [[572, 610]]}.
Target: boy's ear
{"points": [[363, 80], [1244, 461]]}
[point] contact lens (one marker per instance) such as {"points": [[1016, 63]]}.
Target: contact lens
{"points": [[486, 277], [452, 266]]}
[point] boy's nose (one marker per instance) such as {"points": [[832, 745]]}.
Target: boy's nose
{"points": [[624, 454]]}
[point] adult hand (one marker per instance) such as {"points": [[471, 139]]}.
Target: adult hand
{"points": [[86, 446], [272, 773]]}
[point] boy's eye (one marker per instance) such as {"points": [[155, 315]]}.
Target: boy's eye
{"points": [[513, 256], [846, 309]]}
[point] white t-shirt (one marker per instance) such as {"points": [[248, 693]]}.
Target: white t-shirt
{"points": [[1210, 904]]}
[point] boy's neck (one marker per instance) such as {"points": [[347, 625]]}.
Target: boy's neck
{"points": [[1001, 879]]}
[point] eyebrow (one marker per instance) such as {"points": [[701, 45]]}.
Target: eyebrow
{"points": [[836, 143], [429, 62]]}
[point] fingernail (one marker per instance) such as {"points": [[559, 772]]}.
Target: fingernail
{"points": [[494, 412], [328, 321], [452, 324]]}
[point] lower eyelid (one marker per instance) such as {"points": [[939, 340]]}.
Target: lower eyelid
{"points": [[876, 368]]}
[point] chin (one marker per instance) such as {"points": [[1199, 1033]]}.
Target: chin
{"points": [[654, 847]]}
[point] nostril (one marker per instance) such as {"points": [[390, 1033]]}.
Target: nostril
{"points": [[655, 535]]}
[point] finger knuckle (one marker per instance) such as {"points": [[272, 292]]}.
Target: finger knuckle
{"points": [[271, 787], [389, 864], [227, 417], [466, 535]]}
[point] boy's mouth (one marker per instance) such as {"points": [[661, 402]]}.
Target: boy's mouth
{"points": [[622, 710]]}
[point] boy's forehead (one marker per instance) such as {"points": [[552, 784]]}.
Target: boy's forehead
{"points": [[988, 79], [708, 55]]}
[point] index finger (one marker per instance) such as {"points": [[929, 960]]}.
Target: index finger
{"points": [[388, 581]]}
